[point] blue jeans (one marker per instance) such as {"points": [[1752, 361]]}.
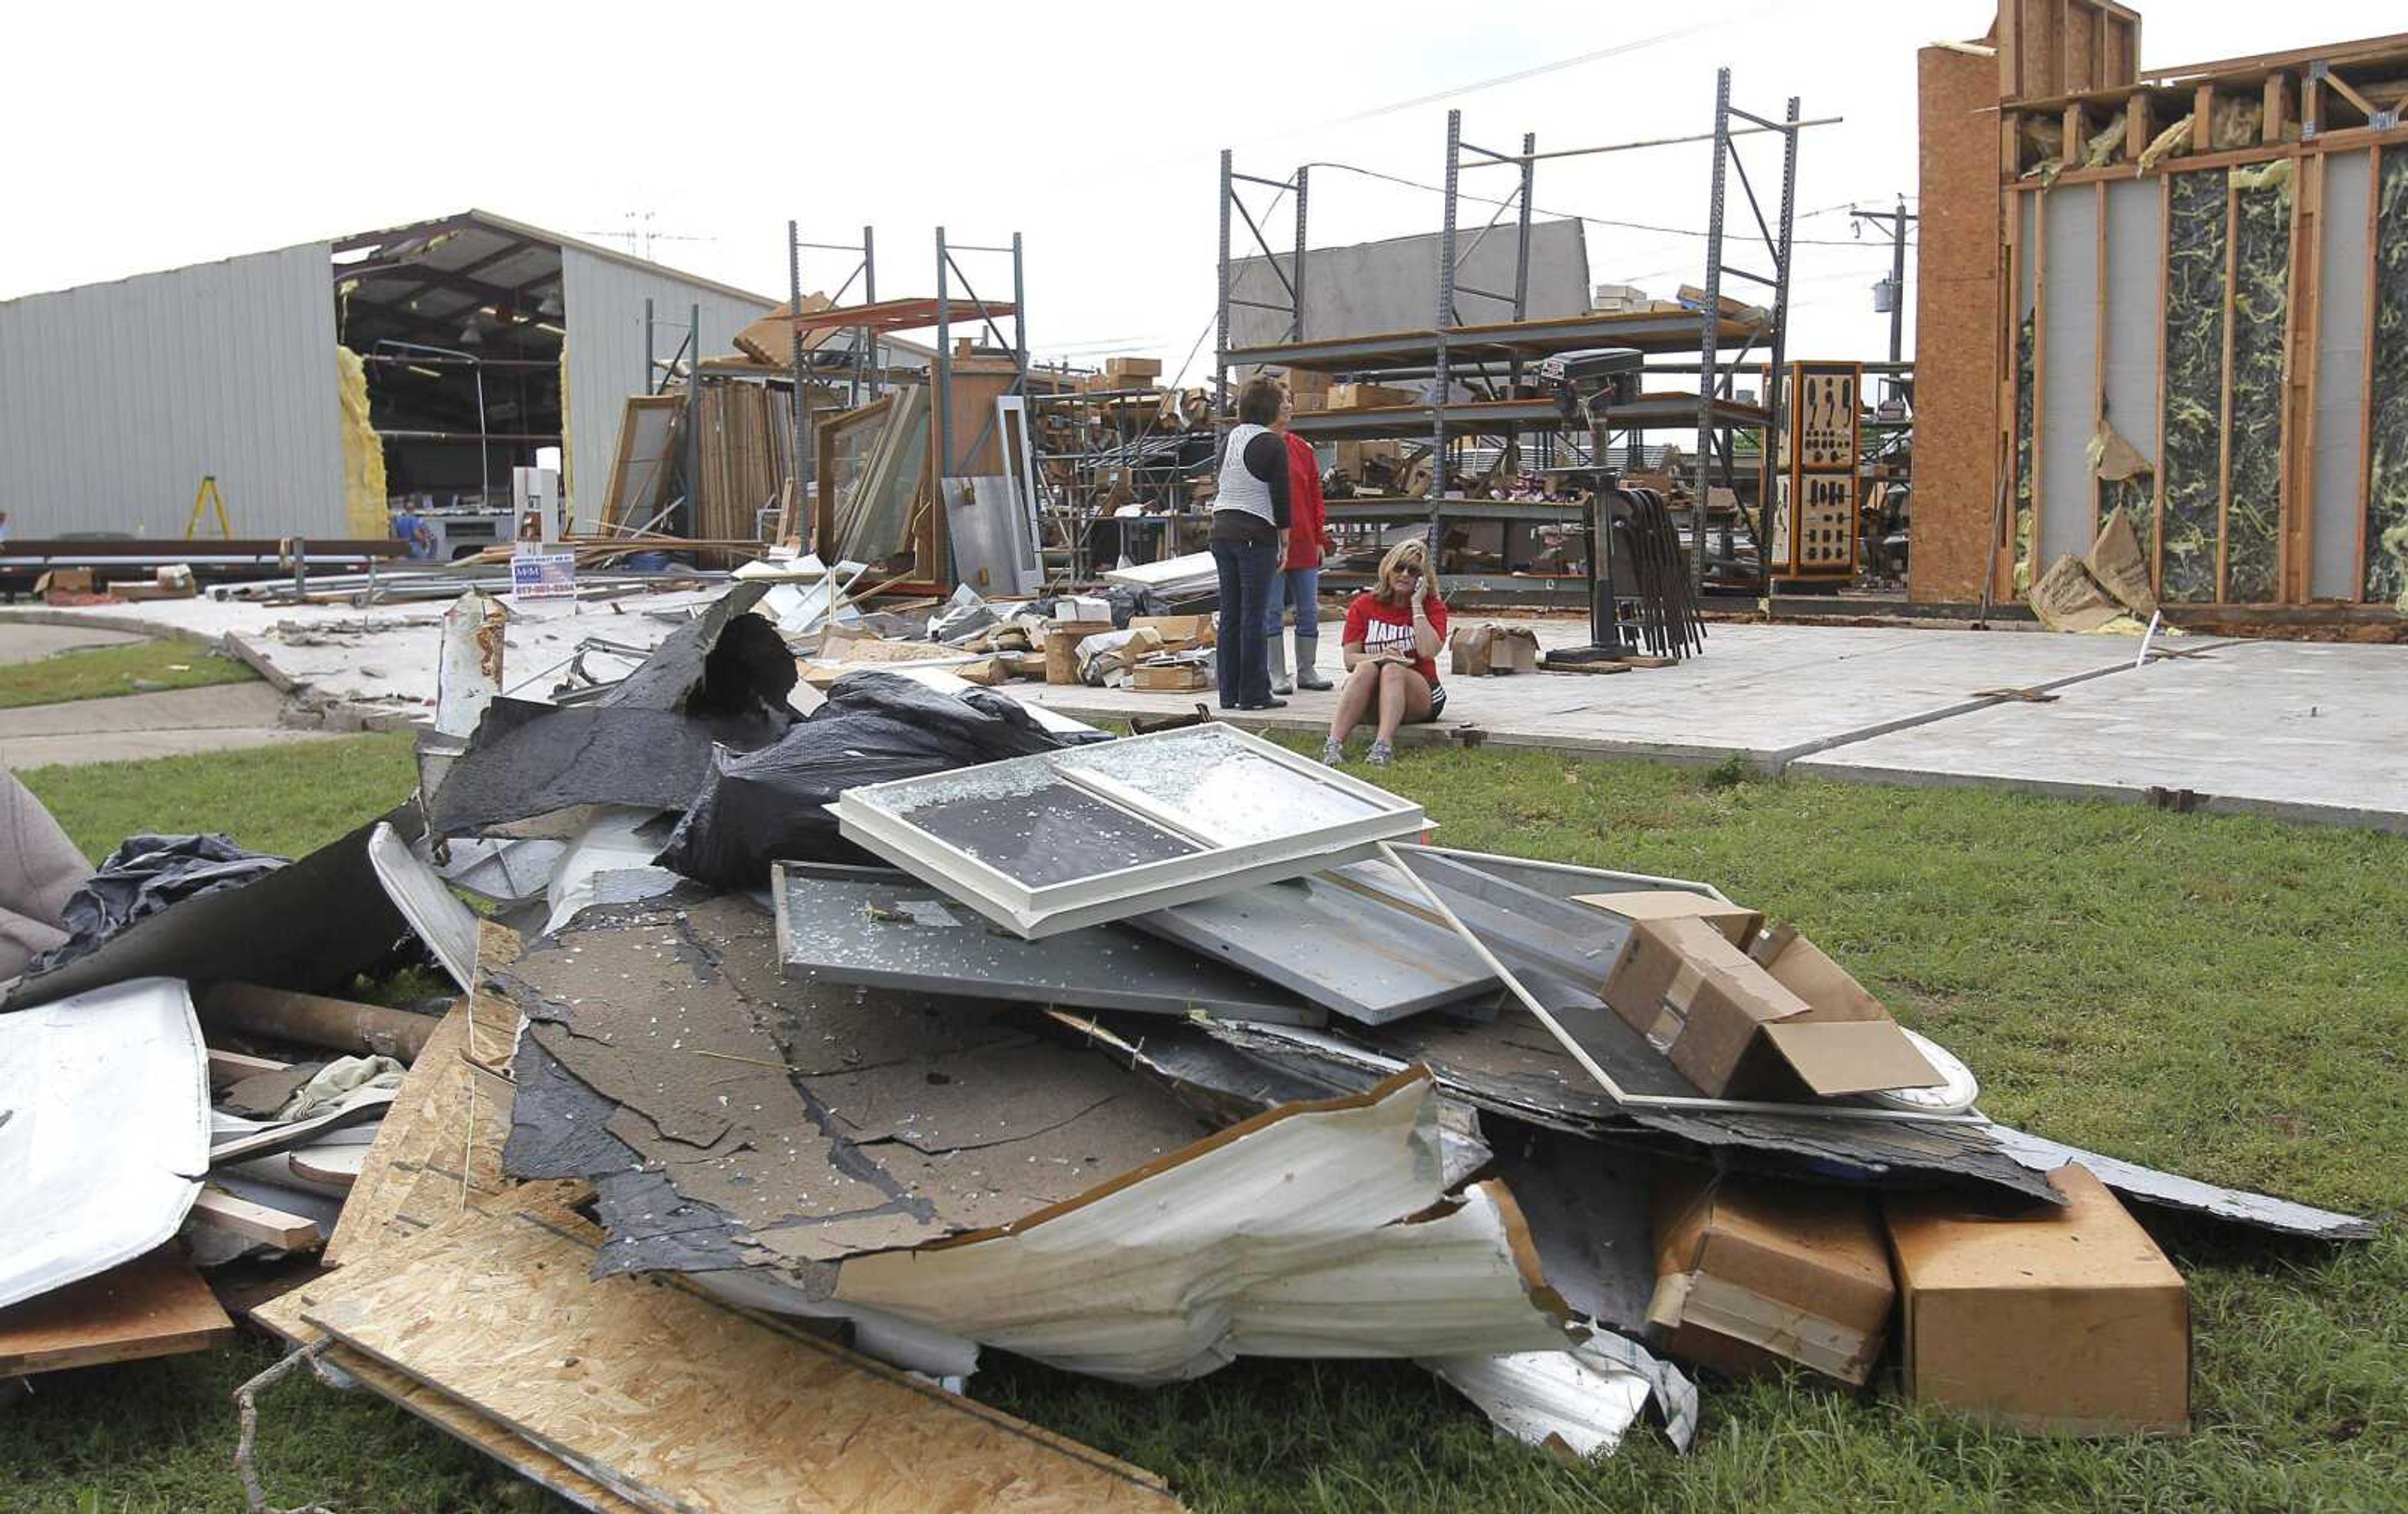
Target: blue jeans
{"points": [[1300, 588], [1248, 570]]}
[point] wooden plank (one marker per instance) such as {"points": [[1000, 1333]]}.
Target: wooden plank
{"points": [[680, 1401], [2156, 545], [153, 1305], [2138, 121], [336, 1165], [2099, 356], [259, 1222], [2027, 546], [282, 1315], [2299, 381], [2312, 109], [2277, 109], [2366, 384], [2203, 118], [267, 1143], [2224, 441], [227, 1068]]}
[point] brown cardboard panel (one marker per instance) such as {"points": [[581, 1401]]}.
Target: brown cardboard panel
{"points": [[1858, 1057], [1752, 1275], [1806, 970], [1698, 998], [1062, 639], [2068, 1320], [1735, 921]]}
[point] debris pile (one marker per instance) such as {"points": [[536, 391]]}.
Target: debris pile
{"points": [[815, 1043]]}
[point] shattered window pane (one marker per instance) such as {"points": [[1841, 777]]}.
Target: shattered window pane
{"points": [[1055, 834], [1216, 786]]}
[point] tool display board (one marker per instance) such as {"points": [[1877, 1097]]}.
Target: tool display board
{"points": [[1813, 483]]}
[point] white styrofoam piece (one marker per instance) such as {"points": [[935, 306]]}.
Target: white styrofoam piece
{"points": [[103, 1130]]}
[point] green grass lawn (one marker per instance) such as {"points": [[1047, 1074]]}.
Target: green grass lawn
{"points": [[2223, 995], [105, 671]]}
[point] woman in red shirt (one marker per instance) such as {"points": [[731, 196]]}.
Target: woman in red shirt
{"points": [[1298, 585], [1393, 632]]}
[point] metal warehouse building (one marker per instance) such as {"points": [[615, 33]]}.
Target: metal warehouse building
{"points": [[471, 340]]}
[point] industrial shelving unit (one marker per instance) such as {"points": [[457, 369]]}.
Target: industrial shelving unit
{"points": [[1453, 348]]}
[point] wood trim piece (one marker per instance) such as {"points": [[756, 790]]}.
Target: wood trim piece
{"points": [[2293, 574], [2029, 550], [2366, 381], [2224, 412], [2156, 545], [2277, 109], [2348, 139], [2203, 118], [2138, 118], [2099, 351]]}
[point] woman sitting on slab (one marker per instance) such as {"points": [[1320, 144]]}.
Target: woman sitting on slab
{"points": [[1393, 632]]}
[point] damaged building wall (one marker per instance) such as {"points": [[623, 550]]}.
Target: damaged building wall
{"points": [[2209, 248], [602, 359], [116, 399]]}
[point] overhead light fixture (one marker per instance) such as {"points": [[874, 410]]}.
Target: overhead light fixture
{"points": [[469, 334], [550, 304]]}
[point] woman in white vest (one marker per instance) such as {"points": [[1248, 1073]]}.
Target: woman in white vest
{"points": [[1250, 520]]}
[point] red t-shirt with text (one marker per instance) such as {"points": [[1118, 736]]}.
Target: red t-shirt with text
{"points": [[1389, 629]]}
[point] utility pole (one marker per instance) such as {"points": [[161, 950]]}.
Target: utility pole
{"points": [[1890, 295]]}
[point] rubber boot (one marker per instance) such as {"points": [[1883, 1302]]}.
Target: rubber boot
{"points": [[1278, 650], [1308, 652]]}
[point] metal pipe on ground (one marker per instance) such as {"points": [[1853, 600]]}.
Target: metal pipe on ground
{"points": [[315, 1020]]}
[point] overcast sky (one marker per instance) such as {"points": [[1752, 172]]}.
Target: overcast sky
{"points": [[150, 136]]}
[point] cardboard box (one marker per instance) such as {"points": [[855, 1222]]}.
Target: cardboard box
{"points": [[2066, 1321], [1128, 372], [1177, 632], [1728, 1026], [1735, 921], [1752, 1275], [1477, 650], [1172, 677], [1365, 395], [65, 584], [1805, 970], [1062, 640]]}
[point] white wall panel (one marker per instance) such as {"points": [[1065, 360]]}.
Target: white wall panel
{"points": [[2338, 490], [2136, 244], [2068, 359]]}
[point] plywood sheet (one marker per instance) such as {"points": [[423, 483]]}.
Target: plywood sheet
{"points": [[1955, 325], [686, 1404], [448, 1414], [443, 1134], [155, 1306]]}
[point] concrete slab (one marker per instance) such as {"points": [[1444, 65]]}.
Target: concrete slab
{"points": [[22, 642], [170, 723], [1767, 694], [2298, 730]]}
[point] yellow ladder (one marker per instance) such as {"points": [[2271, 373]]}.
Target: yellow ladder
{"points": [[207, 497]]}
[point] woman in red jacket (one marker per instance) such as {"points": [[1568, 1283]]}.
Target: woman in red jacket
{"points": [[1393, 632], [1298, 582]]}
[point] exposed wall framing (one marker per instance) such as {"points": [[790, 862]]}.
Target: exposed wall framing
{"points": [[2235, 313], [2190, 443]]}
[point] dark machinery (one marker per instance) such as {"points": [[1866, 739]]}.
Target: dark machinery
{"points": [[1639, 591]]}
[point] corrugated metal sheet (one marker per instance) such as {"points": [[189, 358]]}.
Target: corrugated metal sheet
{"points": [[115, 399], [604, 299]]}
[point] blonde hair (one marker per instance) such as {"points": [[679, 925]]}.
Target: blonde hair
{"points": [[1416, 552]]}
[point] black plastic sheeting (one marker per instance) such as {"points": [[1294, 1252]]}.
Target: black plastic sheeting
{"points": [[771, 805], [311, 925], [145, 875], [720, 679]]}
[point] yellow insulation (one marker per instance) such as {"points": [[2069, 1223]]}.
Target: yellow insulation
{"points": [[365, 518]]}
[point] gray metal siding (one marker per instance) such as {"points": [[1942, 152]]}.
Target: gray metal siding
{"points": [[605, 319], [115, 399], [2136, 243], [2068, 396], [2338, 484]]}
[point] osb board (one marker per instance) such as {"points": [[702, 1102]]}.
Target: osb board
{"points": [[1956, 317], [449, 1118], [153, 1305], [449, 1415], [686, 1403]]}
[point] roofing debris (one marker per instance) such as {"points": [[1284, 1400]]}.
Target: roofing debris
{"points": [[821, 1042]]}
